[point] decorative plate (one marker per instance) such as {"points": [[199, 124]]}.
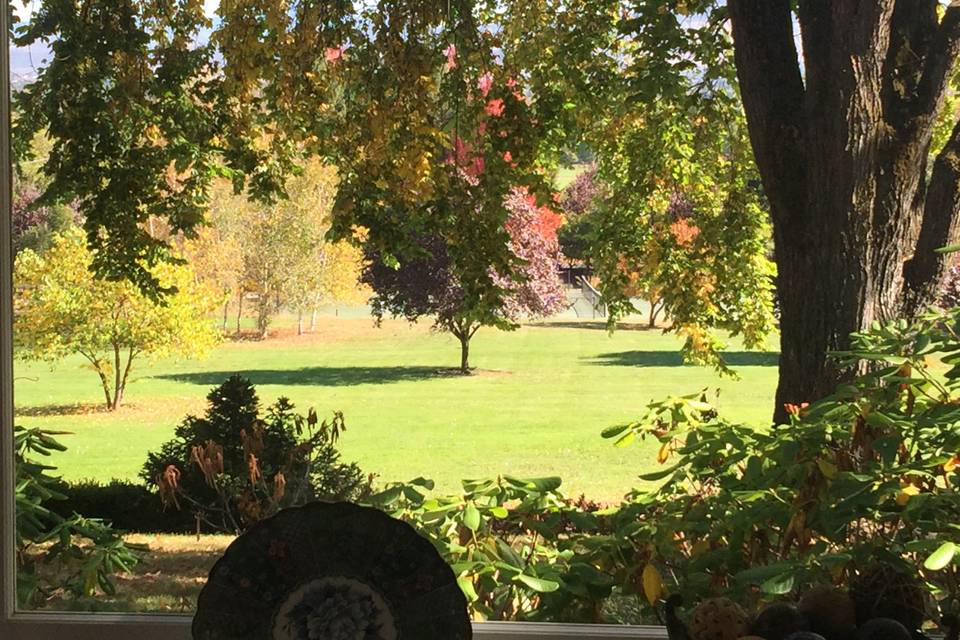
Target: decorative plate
{"points": [[329, 571]]}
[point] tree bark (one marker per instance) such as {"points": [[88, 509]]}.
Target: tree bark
{"points": [[842, 151], [239, 310], [117, 379], [464, 332], [105, 384], [263, 315], [226, 312], [121, 389], [655, 308], [299, 323], [313, 321], [464, 353]]}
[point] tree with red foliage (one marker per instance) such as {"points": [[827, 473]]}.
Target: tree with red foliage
{"points": [[33, 226], [579, 201], [536, 290], [427, 284]]}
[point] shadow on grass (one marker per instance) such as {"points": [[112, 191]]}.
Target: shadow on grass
{"points": [[164, 581], [49, 410], [316, 376], [594, 325], [675, 359]]}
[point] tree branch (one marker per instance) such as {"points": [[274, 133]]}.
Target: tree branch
{"points": [[772, 89], [913, 26], [924, 271], [939, 63]]}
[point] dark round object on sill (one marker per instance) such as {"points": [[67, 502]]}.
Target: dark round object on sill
{"points": [[829, 612], [804, 635], [777, 621], [331, 570], [883, 629]]}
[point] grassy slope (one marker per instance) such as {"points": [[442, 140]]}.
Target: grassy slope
{"points": [[536, 407]]}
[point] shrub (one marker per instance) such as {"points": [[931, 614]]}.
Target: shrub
{"points": [[232, 467], [866, 475], [507, 540], [126, 505]]}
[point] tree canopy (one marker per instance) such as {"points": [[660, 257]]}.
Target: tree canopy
{"points": [[431, 109]]}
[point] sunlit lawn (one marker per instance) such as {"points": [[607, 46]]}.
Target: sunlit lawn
{"points": [[535, 407]]}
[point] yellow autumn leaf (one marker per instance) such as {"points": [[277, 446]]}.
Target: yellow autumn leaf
{"points": [[828, 469], [906, 493], [664, 454], [652, 583], [951, 464]]}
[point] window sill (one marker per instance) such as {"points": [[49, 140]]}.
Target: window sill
{"points": [[154, 627]]}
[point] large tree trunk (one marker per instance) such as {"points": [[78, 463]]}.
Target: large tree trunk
{"points": [[842, 151]]}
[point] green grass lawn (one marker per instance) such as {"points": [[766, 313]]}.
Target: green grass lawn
{"points": [[566, 175], [535, 407]]}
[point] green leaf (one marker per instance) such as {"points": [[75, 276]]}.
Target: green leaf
{"points": [[499, 512], [540, 585], [466, 585], [658, 475], [426, 483], [612, 432], [387, 497], [779, 585], [941, 557], [625, 440], [471, 517], [761, 574]]}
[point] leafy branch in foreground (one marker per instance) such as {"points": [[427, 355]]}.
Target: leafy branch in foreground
{"points": [[85, 553], [866, 474]]}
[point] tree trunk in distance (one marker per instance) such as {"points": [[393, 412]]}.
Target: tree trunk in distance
{"points": [[464, 352], [239, 311]]}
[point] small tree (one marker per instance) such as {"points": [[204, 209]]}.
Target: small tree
{"points": [[234, 466], [217, 259], [61, 309], [33, 226], [578, 203], [427, 283]]}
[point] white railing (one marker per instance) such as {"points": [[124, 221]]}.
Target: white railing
{"points": [[593, 297]]}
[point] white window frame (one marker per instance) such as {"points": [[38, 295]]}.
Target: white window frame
{"points": [[96, 626]]}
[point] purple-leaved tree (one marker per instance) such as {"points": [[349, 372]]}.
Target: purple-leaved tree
{"points": [[428, 284]]}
